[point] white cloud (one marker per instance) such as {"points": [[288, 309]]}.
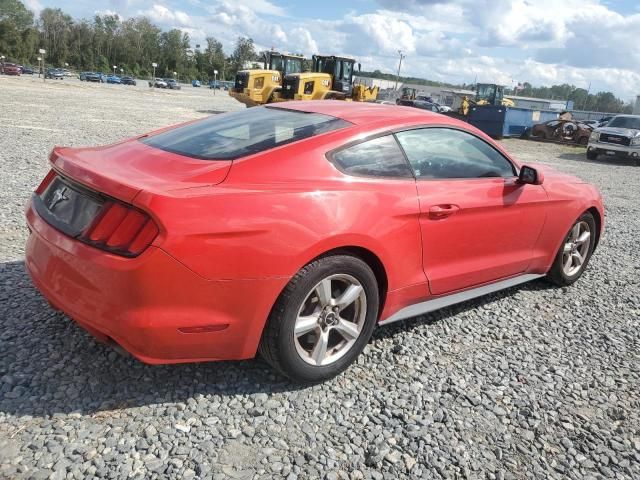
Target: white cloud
{"points": [[34, 5], [164, 16]]}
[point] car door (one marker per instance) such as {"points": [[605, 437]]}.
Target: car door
{"points": [[478, 223]]}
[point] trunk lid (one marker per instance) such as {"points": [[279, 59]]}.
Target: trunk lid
{"points": [[125, 169]]}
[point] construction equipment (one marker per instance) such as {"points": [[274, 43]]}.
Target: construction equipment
{"points": [[331, 79], [408, 93], [256, 87], [492, 94]]}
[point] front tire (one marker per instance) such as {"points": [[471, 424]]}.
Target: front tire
{"points": [[574, 253], [592, 154], [322, 320]]}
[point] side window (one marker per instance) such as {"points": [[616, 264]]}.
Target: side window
{"points": [[380, 157], [447, 153]]}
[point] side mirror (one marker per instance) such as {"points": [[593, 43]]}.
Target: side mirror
{"points": [[531, 176]]}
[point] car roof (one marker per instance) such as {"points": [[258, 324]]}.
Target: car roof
{"points": [[362, 113]]}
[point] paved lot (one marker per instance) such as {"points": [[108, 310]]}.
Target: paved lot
{"points": [[535, 382]]}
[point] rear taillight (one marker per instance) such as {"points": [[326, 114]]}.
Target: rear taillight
{"points": [[46, 181], [121, 229]]}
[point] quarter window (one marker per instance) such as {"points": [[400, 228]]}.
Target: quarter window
{"points": [[448, 153], [380, 157]]}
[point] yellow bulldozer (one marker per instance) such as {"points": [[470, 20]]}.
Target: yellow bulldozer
{"points": [[256, 87], [331, 79]]}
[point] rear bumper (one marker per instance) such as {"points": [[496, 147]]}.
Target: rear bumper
{"points": [[145, 304]]}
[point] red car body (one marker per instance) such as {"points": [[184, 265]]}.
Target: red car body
{"points": [[231, 234], [10, 69]]}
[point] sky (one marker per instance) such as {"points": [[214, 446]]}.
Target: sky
{"points": [[544, 42]]}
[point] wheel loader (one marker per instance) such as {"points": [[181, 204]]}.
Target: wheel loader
{"points": [[256, 87], [331, 79]]}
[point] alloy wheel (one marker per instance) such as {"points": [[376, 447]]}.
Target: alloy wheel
{"points": [[330, 319], [576, 248]]}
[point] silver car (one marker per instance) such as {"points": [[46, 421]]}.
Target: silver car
{"points": [[619, 138]]}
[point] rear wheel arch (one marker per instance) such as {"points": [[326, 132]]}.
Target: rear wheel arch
{"points": [[374, 263]]}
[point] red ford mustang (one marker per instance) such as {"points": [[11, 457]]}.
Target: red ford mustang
{"points": [[293, 230]]}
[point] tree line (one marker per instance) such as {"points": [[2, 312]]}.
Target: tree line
{"points": [[107, 40]]}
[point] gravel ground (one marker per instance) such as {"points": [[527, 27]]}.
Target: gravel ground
{"points": [[534, 382]]}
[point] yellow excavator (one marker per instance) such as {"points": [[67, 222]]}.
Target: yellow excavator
{"points": [[256, 87], [331, 79]]}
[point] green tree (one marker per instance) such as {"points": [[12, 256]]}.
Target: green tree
{"points": [[55, 29], [245, 51]]}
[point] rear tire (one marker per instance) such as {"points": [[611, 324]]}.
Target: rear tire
{"points": [[322, 320], [575, 251]]}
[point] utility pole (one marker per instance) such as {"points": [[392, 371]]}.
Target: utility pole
{"points": [[399, 66], [586, 97]]}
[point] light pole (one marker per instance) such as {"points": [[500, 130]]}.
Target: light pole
{"points": [[215, 81], [2, 57], [153, 79], [42, 52], [114, 70], [399, 65]]}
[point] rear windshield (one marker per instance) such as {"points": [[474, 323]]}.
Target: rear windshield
{"points": [[238, 134], [625, 122]]}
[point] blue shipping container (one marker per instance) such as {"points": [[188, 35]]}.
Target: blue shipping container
{"points": [[498, 122]]}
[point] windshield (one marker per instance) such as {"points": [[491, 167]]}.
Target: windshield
{"points": [[486, 92], [294, 65], [347, 70], [239, 134], [625, 122], [325, 65]]}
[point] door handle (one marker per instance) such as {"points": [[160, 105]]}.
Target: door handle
{"points": [[442, 211]]}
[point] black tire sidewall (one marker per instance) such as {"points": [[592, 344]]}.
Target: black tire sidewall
{"points": [[296, 368]]}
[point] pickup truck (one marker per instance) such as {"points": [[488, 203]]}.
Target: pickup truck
{"points": [[619, 138]]}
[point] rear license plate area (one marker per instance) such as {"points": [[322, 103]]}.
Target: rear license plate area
{"points": [[68, 207]]}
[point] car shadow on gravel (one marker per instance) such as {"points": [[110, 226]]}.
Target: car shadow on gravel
{"points": [[602, 160], [49, 365]]}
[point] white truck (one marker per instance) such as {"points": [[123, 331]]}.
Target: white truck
{"points": [[618, 138]]}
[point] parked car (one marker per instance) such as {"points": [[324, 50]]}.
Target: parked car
{"points": [[421, 104], [158, 83], [195, 83], [10, 69], [54, 74], [114, 79], [384, 102], [172, 84], [25, 70], [128, 81], [619, 138], [591, 123], [562, 131], [95, 77], [83, 75], [331, 217], [214, 84]]}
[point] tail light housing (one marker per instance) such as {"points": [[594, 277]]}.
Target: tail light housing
{"points": [[121, 229], [46, 181]]}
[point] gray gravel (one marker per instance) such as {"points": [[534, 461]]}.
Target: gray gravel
{"points": [[535, 382]]}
